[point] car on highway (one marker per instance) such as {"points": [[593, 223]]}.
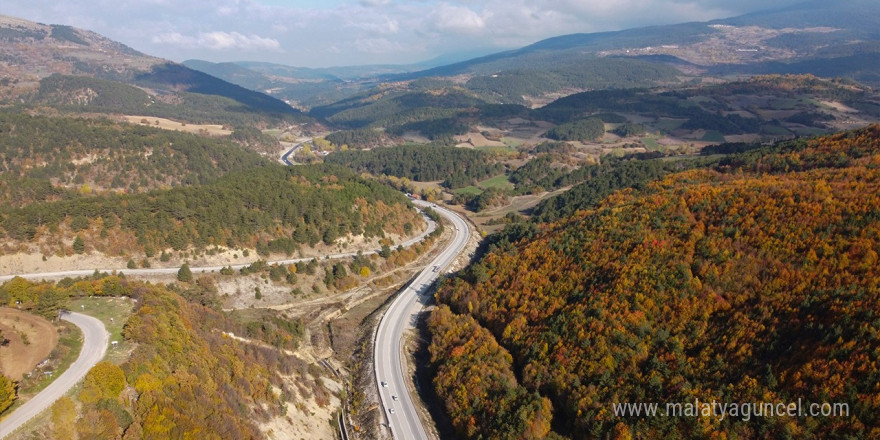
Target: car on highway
{"points": [[436, 268], [384, 384], [394, 398], [391, 410]]}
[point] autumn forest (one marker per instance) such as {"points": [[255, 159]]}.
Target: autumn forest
{"points": [[753, 279]]}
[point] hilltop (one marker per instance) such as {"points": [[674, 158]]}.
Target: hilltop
{"points": [[79, 70]]}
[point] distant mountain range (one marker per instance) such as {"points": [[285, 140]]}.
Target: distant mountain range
{"points": [[827, 38]]}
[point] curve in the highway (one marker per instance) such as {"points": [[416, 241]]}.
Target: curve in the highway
{"points": [[285, 158], [388, 357], [95, 339]]}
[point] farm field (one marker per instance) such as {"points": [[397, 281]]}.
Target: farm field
{"points": [[31, 339], [168, 124]]}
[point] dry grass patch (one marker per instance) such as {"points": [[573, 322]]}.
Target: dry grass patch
{"points": [[31, 339], [167, 124]]}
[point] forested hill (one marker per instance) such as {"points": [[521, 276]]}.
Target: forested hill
{"points": [[183, 378], [272, 208], [79, 70], [50, 158], [754, 280], [195, 98], [456, 167]]}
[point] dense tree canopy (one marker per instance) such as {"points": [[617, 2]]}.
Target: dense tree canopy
{"points": [[753, 280], [584, 130], [245, 208], [456, 166], [50, 158]]}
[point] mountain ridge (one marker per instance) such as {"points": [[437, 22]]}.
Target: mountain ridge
{"points": [[36, 52], [793, 39]]}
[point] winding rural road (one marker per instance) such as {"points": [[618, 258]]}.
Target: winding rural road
{"points": [[391, 376], [399, 317], [95, 339], [285, 158], [173, 270]]}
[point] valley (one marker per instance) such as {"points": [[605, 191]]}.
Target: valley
{"points": [[505, 246]]}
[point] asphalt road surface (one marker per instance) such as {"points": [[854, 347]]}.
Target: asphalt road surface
{"points": [[203, 269], [95, 339], [391, 376]]}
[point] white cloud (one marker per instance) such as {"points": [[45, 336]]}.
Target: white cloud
{"points": [[349, 32], [456, 19], [233, 40], [378, 45], [380, 25], [374, 3], [217, 40], [174, 39], [227, 10]]}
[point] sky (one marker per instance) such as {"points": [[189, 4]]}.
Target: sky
{"points": [[316, 33]]}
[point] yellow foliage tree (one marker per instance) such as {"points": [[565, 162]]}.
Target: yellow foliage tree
{"points": [[63, 418], [103, 381], [7, 393]]}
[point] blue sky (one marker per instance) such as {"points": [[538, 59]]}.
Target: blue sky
{"points": [[315, 33]]}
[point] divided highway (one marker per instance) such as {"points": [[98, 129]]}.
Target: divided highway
{"points": [[95, 339], [391, 376]]}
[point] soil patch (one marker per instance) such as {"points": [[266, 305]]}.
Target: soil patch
{"points": [[31, 339]]}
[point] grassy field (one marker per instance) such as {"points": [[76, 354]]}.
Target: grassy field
{"points": [[500, 181], [784, 103], [113, 312], [497, 150], [774, 130], [276, 132], [512, 142], [469, 190], [650, 143], [713, 136]]}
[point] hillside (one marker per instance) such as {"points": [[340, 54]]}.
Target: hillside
{"points": [[596, 123], [49, 158], [270, 208], [302, 87], [826, 39], [183, 377], [813, 29], [80, 70], [751, 280]]}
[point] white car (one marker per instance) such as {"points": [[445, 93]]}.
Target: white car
{"points": [[384, 384], [394, 398], [391, 410]]}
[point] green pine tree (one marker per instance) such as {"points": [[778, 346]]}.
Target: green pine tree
{"points": [[79, 246], [184, 274]]}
